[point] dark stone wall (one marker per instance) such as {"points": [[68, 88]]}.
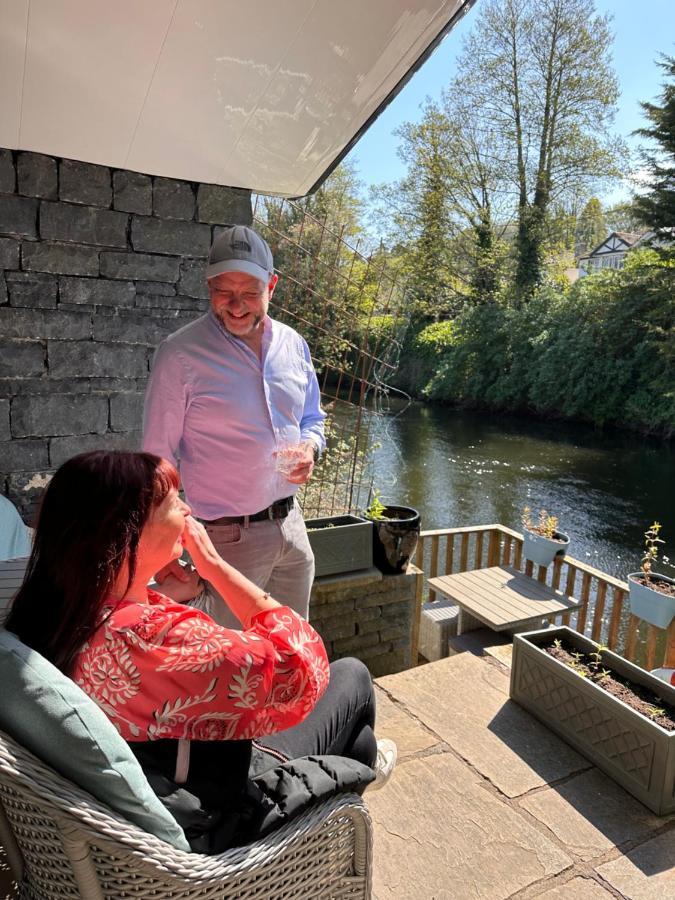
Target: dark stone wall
{"points": [[97, 265]]}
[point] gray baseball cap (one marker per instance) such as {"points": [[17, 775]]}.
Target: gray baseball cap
{"points": [[239, 249]]}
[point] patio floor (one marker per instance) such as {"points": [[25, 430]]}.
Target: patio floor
{"points": [[487, 803]]}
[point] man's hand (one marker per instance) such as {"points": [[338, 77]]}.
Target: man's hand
{"points": [[174, 569], [303, 470], [182, 591]]}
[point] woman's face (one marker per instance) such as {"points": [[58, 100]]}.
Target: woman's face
{"points": [[160, 539]]}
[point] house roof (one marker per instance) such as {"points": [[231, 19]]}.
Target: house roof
{"points": [[267, 96], [616, 242]]}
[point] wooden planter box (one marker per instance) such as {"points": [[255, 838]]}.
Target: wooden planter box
{"points": [[340, 544], [636, 752]]}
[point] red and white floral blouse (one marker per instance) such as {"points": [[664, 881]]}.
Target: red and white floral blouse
{"points": [[164, 670]]}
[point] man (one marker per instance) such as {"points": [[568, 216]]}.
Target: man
{"points": [[226, 392]]}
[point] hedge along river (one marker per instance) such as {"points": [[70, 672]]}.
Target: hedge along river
{"points": [[463, 468]]}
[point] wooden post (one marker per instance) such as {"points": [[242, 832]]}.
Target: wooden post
{"points": [[417, 615], [669, 658]]}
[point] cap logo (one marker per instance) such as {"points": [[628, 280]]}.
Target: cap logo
{"points": [[241, 245]]}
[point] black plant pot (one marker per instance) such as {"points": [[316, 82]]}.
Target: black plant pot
{"points": [[395, 538]]}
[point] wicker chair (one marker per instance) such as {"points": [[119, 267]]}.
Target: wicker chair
{"points": [[62, 843]]}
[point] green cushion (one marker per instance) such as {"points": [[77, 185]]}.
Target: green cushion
{"points": [[51, 716]]}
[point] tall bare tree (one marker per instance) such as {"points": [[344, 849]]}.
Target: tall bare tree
{"points": [[539, 71]]}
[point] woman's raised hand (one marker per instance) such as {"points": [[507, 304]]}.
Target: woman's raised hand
{"points": [[202, 552], [243, 597]]}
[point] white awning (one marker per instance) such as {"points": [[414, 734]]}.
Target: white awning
{"points": [[257, 94]]}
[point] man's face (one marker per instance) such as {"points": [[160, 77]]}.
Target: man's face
{"points": [[240, 301]]}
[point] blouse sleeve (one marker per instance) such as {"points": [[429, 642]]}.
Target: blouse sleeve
{"points": [[187, 677]]}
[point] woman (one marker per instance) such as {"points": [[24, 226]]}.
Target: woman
{"points": [[189, 696]]}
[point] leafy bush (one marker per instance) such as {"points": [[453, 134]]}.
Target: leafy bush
{"points": [[603, 351]]}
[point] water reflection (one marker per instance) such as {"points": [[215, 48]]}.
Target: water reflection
{"points": [[466, 468]]}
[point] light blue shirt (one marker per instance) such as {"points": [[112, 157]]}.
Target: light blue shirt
{"points": [[218, 412], [15, 535]]}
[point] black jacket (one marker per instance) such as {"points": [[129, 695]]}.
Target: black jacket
{"points": [[220, 806]]}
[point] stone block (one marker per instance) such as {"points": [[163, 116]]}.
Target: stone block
{"points": [[56, 414], [173, 199], [37, 175], [18, 216], [171, 237], [499, 739], [9, 253], [85, 183], [344, 622], [132, 328], [143, 266], [7, 175], [156, 302], [83, 359], [32, 289], [646, 872], [576, 889], [356, 643], [83, 224], [437, 623], [4, 423], [45, 385], [96, 292], [62, 448], [23, 456], [21, 358], [193, 279], [31, 323], [394, 722], [132, 192], [440, 834], [224, 205], [155, 288], [388, 663], [583, 825], [61, 259], [126, 411], [394, 632], [4, 297], [330, 632], [25, 490]]}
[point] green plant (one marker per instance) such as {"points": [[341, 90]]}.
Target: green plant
{"points": [[376, 508], [547, 525], [652, 540], [655, 711]]}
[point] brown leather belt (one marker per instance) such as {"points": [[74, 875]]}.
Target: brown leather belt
{"points": [[278, 510]]}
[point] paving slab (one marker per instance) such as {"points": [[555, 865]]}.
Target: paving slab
{"points": [[503, 653], [647, 872], [393, 722], [439, 833], [577, 889], [591, 814], [465, 700]]}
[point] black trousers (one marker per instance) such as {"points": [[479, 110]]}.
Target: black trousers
{"points": [[341, 723]]}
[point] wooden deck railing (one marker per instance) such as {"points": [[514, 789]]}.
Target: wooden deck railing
{"points": [[604, 614]]}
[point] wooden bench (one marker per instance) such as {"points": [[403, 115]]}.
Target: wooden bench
{"points": [[502, 598]]}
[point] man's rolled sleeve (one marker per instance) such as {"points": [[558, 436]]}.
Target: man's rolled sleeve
{"points": [[313, 417]]}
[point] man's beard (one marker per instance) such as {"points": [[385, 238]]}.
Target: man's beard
{"points": [[256, 322]]}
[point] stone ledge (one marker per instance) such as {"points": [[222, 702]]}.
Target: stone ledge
{"points": [[347, 580]]}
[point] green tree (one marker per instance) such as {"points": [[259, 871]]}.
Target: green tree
{"points": [[591, 228], [540, 72], [441, 216], [623, 217], [656, 208]]}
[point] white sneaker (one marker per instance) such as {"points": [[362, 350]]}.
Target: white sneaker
{"points": [[384, 763]]}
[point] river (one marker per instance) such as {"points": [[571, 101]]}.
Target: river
{"points": [[472, 468]]}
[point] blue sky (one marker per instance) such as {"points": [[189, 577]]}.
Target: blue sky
{"points": [[642, 28]]}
